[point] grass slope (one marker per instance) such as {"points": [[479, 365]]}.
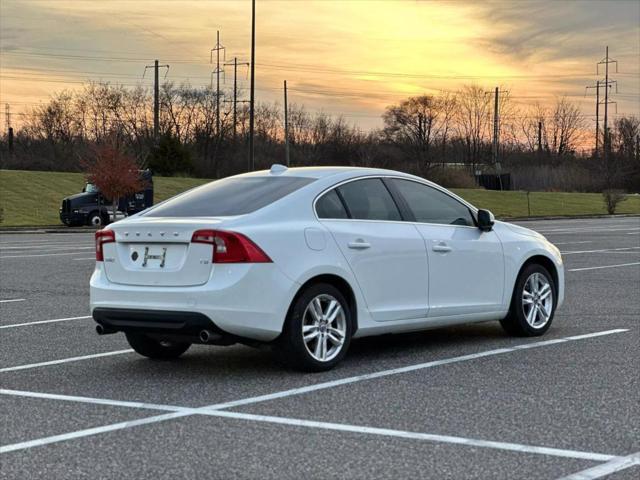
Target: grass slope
{"points": [[33, 198]]}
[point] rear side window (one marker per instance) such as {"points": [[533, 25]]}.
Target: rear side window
{"points": [[330, 206], [229, 197], [430, 205], [369, 199]]}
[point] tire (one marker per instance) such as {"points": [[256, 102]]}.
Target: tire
{"points": [[156, 349], [334, 333], [542, 293], [96, 219]]}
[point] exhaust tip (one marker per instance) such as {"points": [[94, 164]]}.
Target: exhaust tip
{"points": [[101, 330], [205, 336]]}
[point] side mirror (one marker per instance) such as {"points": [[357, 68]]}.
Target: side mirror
{"points": [[485, 220]]}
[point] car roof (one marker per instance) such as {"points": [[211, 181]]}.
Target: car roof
{"points": [[323, 172]]}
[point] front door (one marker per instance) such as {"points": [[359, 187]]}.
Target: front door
{"points": [[466, 265]]}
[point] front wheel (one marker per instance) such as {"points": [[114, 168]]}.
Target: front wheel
{"points": [[533, 303], [317, 330], [156, 349]]}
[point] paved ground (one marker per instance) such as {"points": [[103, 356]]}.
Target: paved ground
{"points": [[465, 402]]}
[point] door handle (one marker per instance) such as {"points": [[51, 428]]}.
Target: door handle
{"points": [[441, 248], [359, 245]]}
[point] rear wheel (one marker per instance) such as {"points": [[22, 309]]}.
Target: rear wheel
{"points": [[156, 349], [533, 303], [317, 330]]}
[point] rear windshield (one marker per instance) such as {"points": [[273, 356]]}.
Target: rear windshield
{"points": [[229, 197]]}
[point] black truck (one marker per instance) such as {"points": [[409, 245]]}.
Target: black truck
{"points": [[91, 207]]}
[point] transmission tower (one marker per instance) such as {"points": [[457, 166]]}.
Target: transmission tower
{"points": [[217, 71], [607, 85]]}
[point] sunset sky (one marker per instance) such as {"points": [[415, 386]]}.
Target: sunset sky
{"points": [[341, 57]]}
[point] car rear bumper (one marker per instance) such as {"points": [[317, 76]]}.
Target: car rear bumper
{"points": [[243, 300]]}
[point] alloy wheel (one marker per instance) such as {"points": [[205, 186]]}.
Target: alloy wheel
{"points": [[537, 300], [324, 327]]}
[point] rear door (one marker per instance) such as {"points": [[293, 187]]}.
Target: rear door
{"points": [[466, 265], [386, 255]]}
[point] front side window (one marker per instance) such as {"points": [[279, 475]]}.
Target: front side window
{"points": [[229, 197], [369, 199], [430, 205]]}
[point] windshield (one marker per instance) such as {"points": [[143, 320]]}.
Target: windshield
{"points": [[229, 197], [91, 188]]}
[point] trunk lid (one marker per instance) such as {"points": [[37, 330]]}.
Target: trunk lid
{"points": [[159, 252]]}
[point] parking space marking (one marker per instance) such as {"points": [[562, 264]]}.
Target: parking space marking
{"points": [[514, 447], [603, 266], [602, 250], [215, 409], [64, 360], [39, 255], [587, 229], [48, 247], [612, 466], [91, 431], [410, 368], [39, 322], [572, 243], [341, 427], [13, 300], [95, 401]]}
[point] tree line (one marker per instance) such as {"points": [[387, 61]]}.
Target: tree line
{"points": [[445, 137]]}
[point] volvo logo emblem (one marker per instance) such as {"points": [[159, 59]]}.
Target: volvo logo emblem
{"points": [[134, 256]]}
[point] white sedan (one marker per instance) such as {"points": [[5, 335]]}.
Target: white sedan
{"points": [[306, 259]]}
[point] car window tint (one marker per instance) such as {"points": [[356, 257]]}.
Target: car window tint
{"points": [[229, 196], [369, 199], [430, 205], [330, 206]]}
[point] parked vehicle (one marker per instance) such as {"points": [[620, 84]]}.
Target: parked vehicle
{"points": [[91, 207], [306, 259]]}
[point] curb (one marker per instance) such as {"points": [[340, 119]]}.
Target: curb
{"points": [[45, 229], [567, 217]]}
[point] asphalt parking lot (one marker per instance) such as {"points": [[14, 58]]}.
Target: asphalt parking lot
{"points": [[464, 402]]}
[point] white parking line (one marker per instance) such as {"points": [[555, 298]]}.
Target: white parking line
{"points": [[215, 408], [612, 466], [48, 247], [602, 250], [186, 411], [471, 442], [587, 229], [85, 258], [39, 255], [572, 243], [13, 300], [63, 360], [91, 431], [603, 266], [39, 322]]}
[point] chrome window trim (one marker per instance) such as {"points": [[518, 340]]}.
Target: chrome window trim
{"points": [[426, 183]]}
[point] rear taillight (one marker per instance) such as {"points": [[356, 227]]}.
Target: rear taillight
{"points": [[102, 237], [230, 247]]}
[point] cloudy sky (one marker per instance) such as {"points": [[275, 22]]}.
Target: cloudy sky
{"points": [[349, 57]]}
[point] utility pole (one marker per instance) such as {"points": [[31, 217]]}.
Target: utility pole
{"points": [[235, 91], [218, 48], [7, 110], [286, 125], [156, 95], [496, 134], [539, 137], [252, 95], [607, 84], [597, 87]]}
